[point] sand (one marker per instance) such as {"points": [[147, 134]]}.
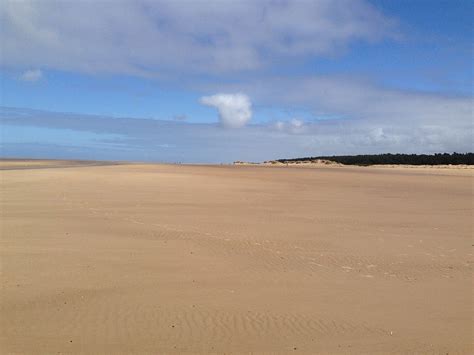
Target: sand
{"points": [[20, 164], [235, 259]]}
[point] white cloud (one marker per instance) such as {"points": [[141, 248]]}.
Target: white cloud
{"points": [[293, 126], [297, 126], [235, 110], [363, 104], [31, 75], [279, 126], [152, 37], [145, 139]]}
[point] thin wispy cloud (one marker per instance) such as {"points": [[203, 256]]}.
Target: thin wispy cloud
{"points": [[294, 126], [148, 37], [31, 75], [145, 139]]}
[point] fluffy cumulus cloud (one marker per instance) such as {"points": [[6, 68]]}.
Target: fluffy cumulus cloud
{"points": [[235, 110], [31, 75], [151, 37]]}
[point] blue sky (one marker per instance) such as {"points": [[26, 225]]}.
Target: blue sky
{"points": [[216, 81]]}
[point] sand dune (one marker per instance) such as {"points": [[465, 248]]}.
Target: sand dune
{"points": [[235, 259]]}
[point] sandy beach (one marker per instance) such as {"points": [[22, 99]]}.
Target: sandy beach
{"points": [[143, 258]]}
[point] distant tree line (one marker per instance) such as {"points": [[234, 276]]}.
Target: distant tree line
{"points": [[395, 159]]}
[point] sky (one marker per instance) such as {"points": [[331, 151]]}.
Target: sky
{"points": [[218, 81]]}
